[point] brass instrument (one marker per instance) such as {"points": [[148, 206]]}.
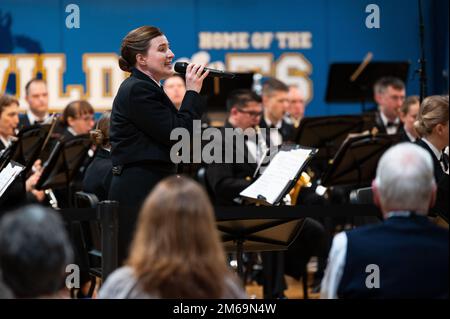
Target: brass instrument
{"points": [[303, 181]]}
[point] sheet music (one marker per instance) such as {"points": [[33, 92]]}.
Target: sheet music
{"points": [[8, 174], [282, 169]]}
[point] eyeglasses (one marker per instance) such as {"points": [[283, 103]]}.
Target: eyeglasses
{"points": [[251, 113], [86, 118]]}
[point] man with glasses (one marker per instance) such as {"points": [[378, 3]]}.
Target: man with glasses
{"points": [[389, 95], [227, 180], [78, 118]]}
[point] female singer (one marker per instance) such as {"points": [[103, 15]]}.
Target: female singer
{"points": [[143, 116]]}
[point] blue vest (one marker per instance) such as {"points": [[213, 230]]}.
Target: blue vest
{"points": [[411, 254]]}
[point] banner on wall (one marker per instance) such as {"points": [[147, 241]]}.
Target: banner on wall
{"points": [[103, 76]]}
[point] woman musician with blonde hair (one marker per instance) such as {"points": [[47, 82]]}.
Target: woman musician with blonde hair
{"points": [[432, 125]]}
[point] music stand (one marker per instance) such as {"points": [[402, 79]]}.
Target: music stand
{"points": [[356, 161], [26, 149], [255, 234], [341, 89], [64, 163], [327, 133], [216, 90]]}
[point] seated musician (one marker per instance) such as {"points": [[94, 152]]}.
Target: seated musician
{"points": [[408, 115], [36, 95], [78, 118], [17, 192], [227, 180], [9, 119], [296, 109], [97, 178], [432, 126], [389, 95], [275, 103]]}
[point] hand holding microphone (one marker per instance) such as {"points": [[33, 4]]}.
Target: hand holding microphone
{"points": [[194, 76], [181, 67], [185, 68]]}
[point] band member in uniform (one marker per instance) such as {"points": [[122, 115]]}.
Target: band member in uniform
{"points": [[143, 116]]}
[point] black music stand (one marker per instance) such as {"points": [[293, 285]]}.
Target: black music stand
{"points": [[216, 90], [26, 149], [356, 161], [342, 89], [254, 234], [327, 133], [64, 163]]}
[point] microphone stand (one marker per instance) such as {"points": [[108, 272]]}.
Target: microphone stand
{"points": [[422, 61]]}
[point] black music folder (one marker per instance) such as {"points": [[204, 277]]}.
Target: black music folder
{"points": [[26, 149], [217, 90], [341, 87], [327, 133], [64, 162], [356, 161], [280, 175]]}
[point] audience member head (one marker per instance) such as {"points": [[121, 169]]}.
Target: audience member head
{"points": [[34, 251], [432, 120], [176, 251], [79, 115], [36, 94], [408, 114], [100, 135], [175, 88], [404, 180], [9, 115], [390, 95], [275, 100], [296, 108], [244, 109]]}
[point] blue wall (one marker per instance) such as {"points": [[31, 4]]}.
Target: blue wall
{"points": [[338, 29]]}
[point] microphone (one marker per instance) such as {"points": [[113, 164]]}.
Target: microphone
{"points": [[180, 67]]}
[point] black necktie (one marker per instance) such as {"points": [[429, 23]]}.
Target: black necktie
{"points": [[39, 122], [391, 124], [444, 160]]}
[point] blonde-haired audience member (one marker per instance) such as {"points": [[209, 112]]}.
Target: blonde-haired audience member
{"points": [[176, 251]]}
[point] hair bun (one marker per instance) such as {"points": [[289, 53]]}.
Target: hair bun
{"points": [[124, 64]]}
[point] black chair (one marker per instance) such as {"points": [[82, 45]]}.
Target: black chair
{"points": [[362, 196], [87, 241]]}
